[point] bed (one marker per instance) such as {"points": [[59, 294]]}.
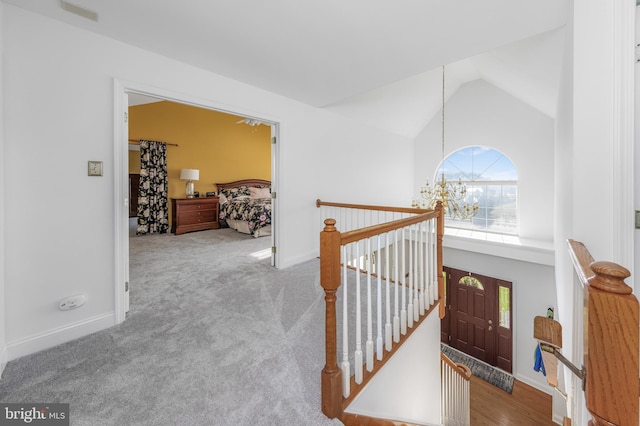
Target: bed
{"points": [[245, 205]]}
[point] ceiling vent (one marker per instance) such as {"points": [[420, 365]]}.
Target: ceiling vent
{"points": [[80, 11]]}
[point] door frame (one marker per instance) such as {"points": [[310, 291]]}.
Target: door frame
{"points": [[446, 324], [121, 172]]}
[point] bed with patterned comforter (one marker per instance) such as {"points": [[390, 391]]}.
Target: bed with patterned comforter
{"points": [[246, 208]]}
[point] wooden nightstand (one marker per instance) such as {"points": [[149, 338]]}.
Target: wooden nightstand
{"points": [[194, 214]]}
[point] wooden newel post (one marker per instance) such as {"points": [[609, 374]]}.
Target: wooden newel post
{"points": [[441, 283], [331, 379], [612, 370]]}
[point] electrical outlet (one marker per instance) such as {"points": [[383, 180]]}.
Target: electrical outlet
{"points": [[72, 302]]}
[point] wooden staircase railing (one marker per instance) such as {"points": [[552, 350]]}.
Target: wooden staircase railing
{"points": [[456, 397], [332, 241], [610, 313]]}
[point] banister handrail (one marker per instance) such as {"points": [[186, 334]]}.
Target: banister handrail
{"points": [[360, 234], [455, 392], [461, 369], [331, 242], [611, 343], [320, 203], [581, 259]]}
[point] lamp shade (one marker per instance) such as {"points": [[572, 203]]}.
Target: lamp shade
{"points": [[189, 174]]}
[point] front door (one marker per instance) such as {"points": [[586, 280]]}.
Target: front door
{"points": [[478, 317]]}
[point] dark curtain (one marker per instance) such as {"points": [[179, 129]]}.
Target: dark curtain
{"points": [[153, 214]]}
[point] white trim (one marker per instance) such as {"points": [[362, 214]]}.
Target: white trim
{"points": [[4, 358], [120, 202], [576, 400], [59, 335], [539, 252], [275, 202], [541, 387], [121, 230], [305, 257], [623, 131]]}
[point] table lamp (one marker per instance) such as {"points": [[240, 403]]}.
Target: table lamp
{"points": [[189, 175]]}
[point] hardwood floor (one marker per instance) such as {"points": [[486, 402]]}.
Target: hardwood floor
{"points": [[491, 406]]}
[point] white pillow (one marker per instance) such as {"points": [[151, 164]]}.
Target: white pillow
{"points": [[257, 193], [223, 199]]}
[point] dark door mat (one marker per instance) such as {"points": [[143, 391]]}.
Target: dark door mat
{"points": [[480, 369]]}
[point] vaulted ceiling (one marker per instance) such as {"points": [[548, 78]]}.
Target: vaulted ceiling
{"points": [[374, 60]]}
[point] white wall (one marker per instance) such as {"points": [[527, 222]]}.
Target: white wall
{"points": [[481, 114], [59, 96], [411, 373], [564, 274], [533, 293], [592, 128], [3, 346], [636, 277]]}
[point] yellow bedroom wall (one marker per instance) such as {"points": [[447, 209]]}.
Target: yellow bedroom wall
{"points": [[134, 161], [207, 140]]}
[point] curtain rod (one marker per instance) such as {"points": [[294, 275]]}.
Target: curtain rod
{"points": [[137, 141]]}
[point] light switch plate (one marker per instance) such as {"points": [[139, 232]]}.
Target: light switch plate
{"points": [[95, 168]]}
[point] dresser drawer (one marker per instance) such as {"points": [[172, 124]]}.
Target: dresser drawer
{"points": [[189, 208], [189, 214], [189, 218]]}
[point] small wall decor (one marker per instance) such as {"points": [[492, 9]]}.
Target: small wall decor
{"points": [[95, 168]]}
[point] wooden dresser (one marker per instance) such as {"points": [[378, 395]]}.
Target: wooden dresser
{"points": [[134, 190], [194, 214]]}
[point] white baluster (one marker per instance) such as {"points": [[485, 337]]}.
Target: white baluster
{"points": [[358, 353], [411, 280], [403, 311], [396, 300], [434, 262], [443, 392], [423, 273], [387, 326], [345, 365], [369, 349], [416, 279], [379, 339], [429, 259]]}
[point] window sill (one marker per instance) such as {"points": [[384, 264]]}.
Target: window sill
{"points": [[507, 246]]}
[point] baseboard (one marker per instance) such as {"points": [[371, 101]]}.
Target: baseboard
{"points": [[4, 358], [542, 388], [59, 335], [285, 263]]}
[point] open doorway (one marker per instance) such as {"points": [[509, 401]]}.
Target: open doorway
{"points": [[479, 317], [217, 147], [127, 94]]}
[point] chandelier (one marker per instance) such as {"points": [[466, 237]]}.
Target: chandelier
{"points": [[452, 194]]}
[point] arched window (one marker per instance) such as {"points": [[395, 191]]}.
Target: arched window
{"points": [[491, 180]]}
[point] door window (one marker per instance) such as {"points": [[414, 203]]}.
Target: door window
{"points": [[471, 282], [504, 306]]}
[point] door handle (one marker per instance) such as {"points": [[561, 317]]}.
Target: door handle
{"points": [[490, 328], [490, 322]]}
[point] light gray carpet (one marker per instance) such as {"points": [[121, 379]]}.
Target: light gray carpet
{"points": [[215, 336]]}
